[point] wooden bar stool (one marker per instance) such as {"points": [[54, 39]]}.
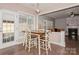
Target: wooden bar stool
{"points": [[30, 41], [45, 42]]}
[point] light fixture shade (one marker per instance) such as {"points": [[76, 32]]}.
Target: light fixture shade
{"points": [[37, 11]]}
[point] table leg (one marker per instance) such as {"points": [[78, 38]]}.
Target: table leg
{"points": [[39, 45]]}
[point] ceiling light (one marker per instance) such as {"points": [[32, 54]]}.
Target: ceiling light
{"points": [[37, 9]]}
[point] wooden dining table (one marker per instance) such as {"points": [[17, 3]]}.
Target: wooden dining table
{"points": [[39, 34]]}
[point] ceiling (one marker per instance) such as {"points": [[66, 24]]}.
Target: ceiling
{"points": [[63, 13], [46, 9], [49, 7]]}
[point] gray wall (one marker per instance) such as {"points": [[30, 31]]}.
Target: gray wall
{"points": [[60, 23]]}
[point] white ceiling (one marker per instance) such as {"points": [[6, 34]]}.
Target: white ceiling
{"points": [[49, 7], [63, 13]]}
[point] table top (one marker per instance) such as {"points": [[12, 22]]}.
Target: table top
{"points": [[38, 32]]}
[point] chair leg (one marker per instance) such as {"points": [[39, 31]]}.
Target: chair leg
{"points": [[36, 43], [24, 42], [46, 49], [49, 47], [43, 44], [29, 46], [25, 45]]}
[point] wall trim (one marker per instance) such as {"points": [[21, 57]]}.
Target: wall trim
{"points": [[63, 45], [9, 45]]}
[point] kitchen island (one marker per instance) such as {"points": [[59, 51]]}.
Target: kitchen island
{"points": [[58, 38]]}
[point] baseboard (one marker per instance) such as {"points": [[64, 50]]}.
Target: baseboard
{"points": [[5, 45], [63, 45]]}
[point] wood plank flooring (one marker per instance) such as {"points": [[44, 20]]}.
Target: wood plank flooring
{"points": [[72, 48]]}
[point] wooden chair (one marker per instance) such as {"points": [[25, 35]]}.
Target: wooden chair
{"points": [[30, 40], [45, 42], [24, 38]]}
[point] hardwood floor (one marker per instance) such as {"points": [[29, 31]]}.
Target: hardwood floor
{"points": [[72, 48], [19, 50]]}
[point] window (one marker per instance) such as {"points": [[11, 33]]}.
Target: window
{"points": [[25, 20], [30, 20], [22, 19], [8, 31]]}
